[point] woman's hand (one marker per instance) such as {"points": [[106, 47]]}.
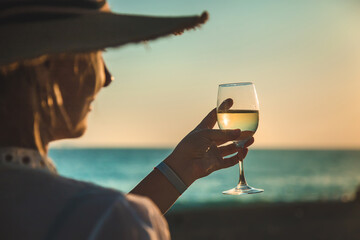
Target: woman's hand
{"points": [[200, 153]]}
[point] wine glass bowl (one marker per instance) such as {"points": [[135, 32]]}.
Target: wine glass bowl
{"points": [[238, 108]]}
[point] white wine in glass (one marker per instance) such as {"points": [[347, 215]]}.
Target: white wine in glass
{"points": [[238, 108]]}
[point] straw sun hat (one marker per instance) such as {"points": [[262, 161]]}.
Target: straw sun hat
{"points": [[31, 28]]}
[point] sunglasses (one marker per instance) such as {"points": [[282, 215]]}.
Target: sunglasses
{"points": [[108, 77]]}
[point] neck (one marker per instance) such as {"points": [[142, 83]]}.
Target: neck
{"points": [[28, 135], [13, 140]]}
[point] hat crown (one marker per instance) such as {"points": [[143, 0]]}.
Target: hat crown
{"points": [[32, 28]]}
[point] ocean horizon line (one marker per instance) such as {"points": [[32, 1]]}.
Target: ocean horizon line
{"points": [[102, 147]]}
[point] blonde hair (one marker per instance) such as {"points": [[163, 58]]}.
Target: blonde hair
{"points": [[42, 97]]}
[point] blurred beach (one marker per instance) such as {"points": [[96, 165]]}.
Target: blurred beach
{"points": [[306, 192], [330, 220]]}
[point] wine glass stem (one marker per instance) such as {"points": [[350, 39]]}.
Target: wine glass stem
{"points": [[242, 181]]}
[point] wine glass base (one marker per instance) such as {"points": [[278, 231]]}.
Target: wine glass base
{"points": [[241, 190]]}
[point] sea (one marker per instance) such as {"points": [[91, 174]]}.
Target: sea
{"points": [[285, 175]]}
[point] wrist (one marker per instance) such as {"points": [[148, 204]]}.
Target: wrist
{"points": [[184, 172]]}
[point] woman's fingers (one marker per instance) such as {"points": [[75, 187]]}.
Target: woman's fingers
{"points": [[228, 149], [215, 151], [220, 136], [249, 142], [242, 153], [230, 161], [231, 148], [245, 135]]}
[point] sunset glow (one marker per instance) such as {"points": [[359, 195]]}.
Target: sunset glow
{"points": [[304, 58]]}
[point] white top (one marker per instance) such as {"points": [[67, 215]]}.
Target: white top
{"points": [[36, 203], [25, 157]]}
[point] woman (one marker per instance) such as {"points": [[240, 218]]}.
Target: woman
{"points": [[47, 83]]}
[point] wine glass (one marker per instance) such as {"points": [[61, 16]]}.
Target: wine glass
{"points": [[238, 108]]}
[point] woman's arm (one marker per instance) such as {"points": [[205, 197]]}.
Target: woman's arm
{"points": [[156, 187], [196, 156]]}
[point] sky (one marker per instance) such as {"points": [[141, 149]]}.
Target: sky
{"points": [[302, 56]]}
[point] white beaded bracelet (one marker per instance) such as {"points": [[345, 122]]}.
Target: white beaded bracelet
{"points": [[172, 177]]}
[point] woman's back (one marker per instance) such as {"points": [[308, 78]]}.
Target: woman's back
{"points": [[40, 205]]}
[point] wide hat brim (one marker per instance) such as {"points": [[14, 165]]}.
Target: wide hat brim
{"points": [[83, 31]]}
